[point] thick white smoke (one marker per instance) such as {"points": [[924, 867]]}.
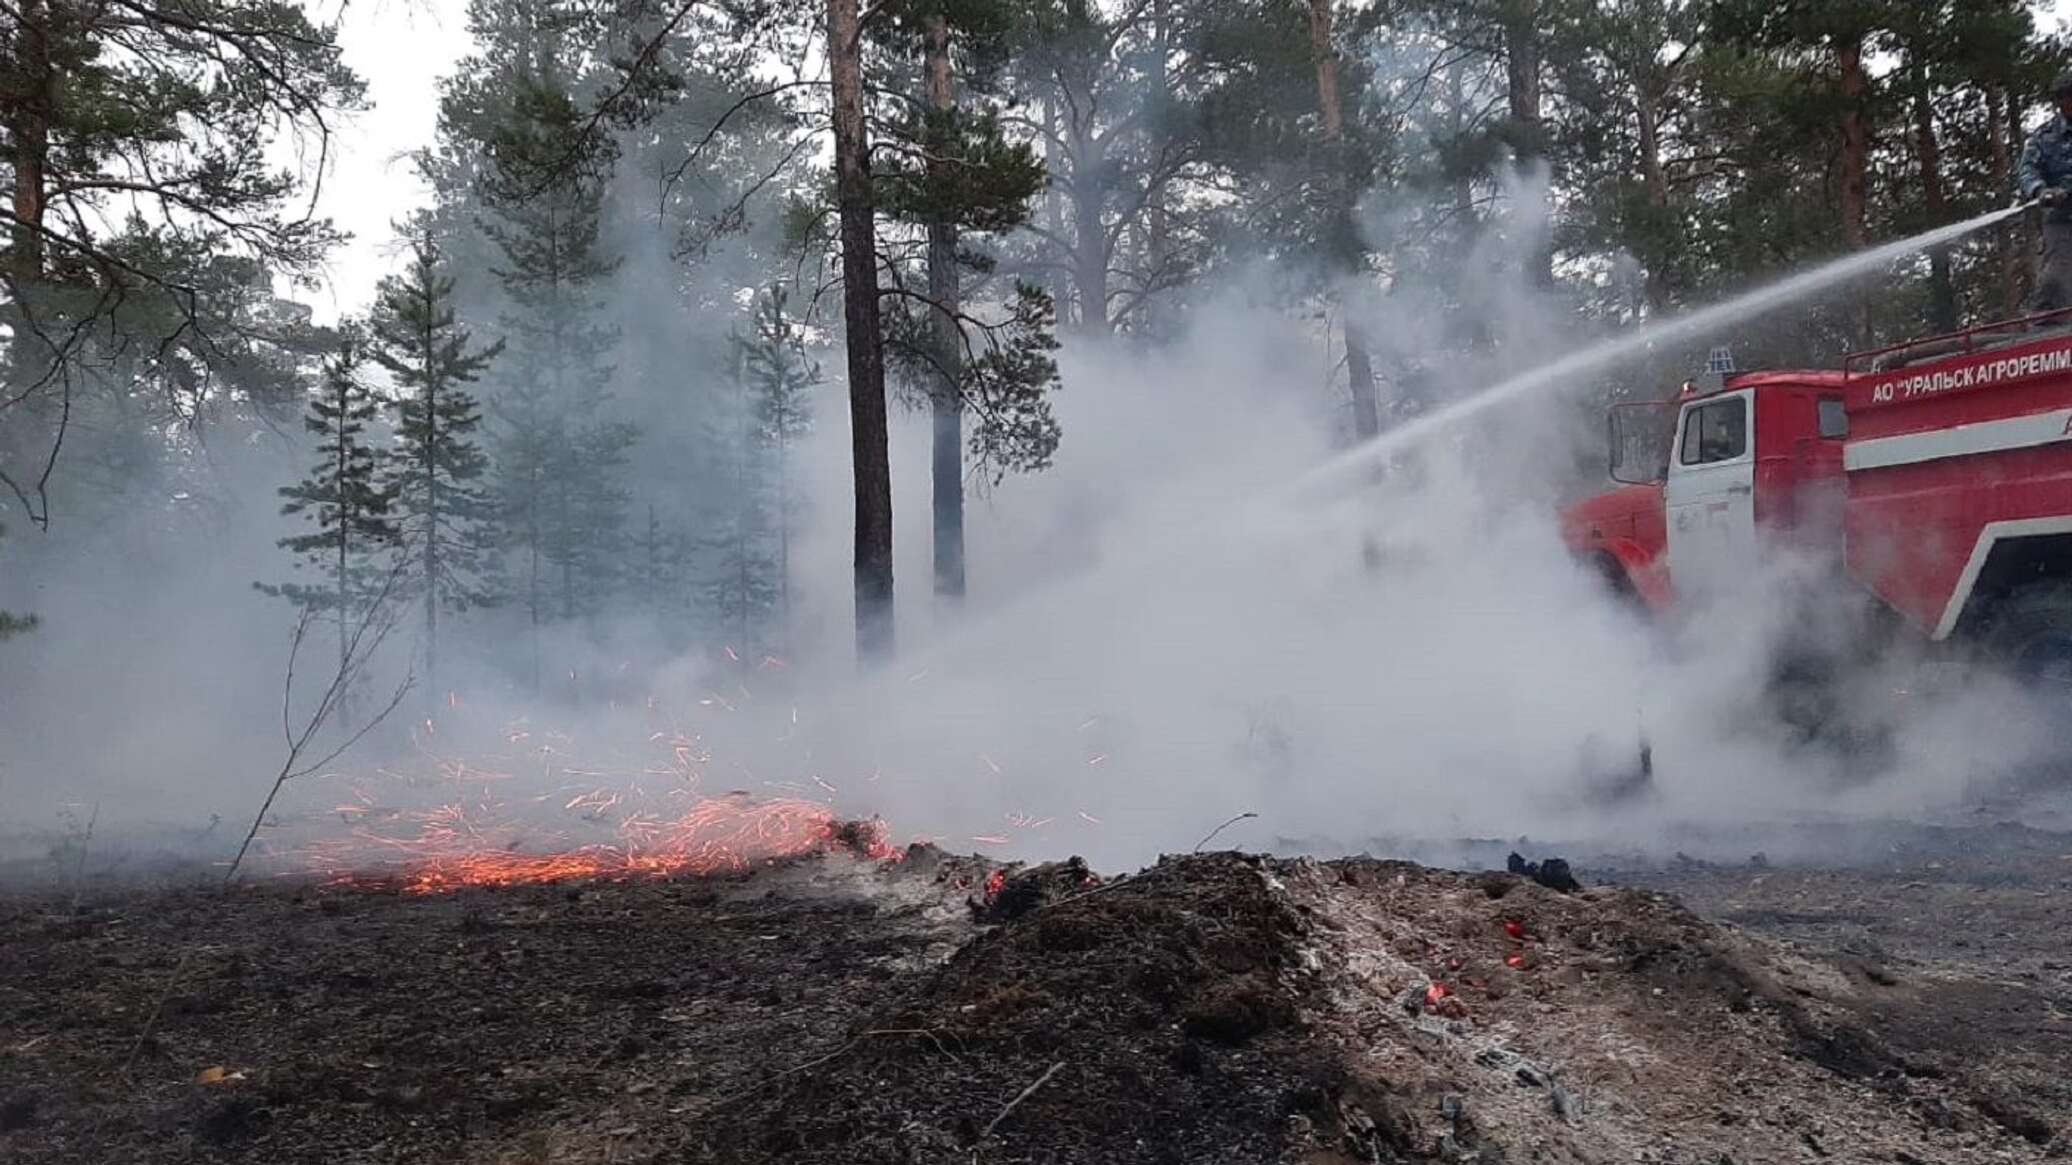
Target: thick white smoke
{"points": [[1162, 633]]}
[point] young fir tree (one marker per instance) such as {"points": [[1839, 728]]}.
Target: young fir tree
{"points": [[446, 517], [742, 573], [774, 377], [781, 379], [541, 199], [348, 499]]}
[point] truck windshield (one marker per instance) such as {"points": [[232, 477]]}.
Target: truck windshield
{"points": [[1715, 432]]}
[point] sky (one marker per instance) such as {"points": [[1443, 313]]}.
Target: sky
{"points": [[402, 48]]}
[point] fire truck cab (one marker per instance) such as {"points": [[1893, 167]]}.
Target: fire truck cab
{"points": [[1936, 474]]}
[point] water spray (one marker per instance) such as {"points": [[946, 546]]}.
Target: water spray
{"points": [[1353, 467]]}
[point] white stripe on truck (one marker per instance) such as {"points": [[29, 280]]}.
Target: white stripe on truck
{"points": [[2023, 432], [1991, 535]]}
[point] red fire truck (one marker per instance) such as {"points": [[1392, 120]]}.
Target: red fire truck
{"points": [[1936, 475]]}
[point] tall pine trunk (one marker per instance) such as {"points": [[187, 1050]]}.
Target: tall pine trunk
{"points": [[867, 424], [1463, 178], [1159, 244], [2001, 169], [1942, 291], [1348, 256], [1087, 191], [1655, 186], [340, 472], [783, 548], [532, 582], [1855, 160], [29, 119], [430, 468], [1522, 100], [2023, 228], [1089, 237], [1061, 287], [948, 403]]}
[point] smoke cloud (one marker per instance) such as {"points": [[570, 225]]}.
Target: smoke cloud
{"points": [[1162, 635]]}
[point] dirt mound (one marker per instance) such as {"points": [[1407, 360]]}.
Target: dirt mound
{"points": [[1224, 1008], [1168, 1006], [944, 1009]]}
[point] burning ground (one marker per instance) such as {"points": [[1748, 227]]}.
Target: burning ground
{"points": [[1214, 1007]]}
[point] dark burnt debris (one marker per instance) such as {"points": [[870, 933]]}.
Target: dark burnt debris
{"points": [[1212, 1009], [1553, 873], [1010, 892], [1172, 998]]}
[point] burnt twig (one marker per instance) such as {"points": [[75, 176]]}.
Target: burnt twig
{"points": [[360, 646], [1025, 1094], [817, 1061], [1221, 828]]}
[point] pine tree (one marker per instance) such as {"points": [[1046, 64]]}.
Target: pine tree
{"points": [[446, 517], [773, 377], [541, 201], [870, 440], [10, 623], [956, 175], [1346, 251], [781, 379], [139, 193], [348, 497]]}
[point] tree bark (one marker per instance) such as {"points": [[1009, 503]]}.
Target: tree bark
{"points": [[1090, 238], [1855, 161], [30, 121], [2023, 228], [1463, 181], [1158, 245], [1522, 83], [867, 424], [1054, 159], [1856, 142], [429, 466], [1655, 186], [948, 401], [1348, 255], [1942, 292], [2001, 164], [342, 401], [1087, 190]]}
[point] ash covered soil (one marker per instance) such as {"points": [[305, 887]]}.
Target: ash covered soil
{"points": [[1915, 1007]]}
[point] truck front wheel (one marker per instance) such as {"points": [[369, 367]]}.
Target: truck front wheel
{"points": [[2031, 636]]}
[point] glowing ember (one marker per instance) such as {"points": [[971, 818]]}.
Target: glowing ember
{"points": [[1436, 992], [625, 817], [994, 881], [1515, 929], [716, 835]]}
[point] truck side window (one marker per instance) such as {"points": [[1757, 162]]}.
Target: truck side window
{"points": [[1715, 432], [1834, 419]]}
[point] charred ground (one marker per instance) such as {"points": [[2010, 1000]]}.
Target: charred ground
{"points": [[1213, 1007]]}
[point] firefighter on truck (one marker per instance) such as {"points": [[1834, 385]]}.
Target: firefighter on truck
{"points": [[2046, 177]]}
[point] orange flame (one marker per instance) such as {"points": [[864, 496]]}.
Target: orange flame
{"points": [[717, 834]]}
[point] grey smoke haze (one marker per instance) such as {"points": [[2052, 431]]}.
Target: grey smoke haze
{"points": [[1161, 635]]}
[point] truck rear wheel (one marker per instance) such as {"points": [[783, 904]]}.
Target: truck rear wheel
{"points": [[2031, 636]]}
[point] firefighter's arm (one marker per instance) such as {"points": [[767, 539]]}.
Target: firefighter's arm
{"points": [[2028, 176]]}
